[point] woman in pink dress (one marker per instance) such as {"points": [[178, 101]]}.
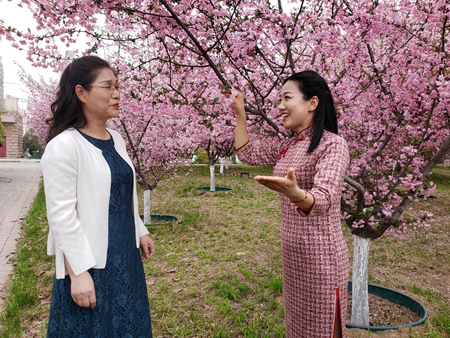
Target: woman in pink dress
{"points": [[309, 175]]}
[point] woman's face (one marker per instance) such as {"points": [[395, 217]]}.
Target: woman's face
{"points": [[296, 113], [100, 100]]}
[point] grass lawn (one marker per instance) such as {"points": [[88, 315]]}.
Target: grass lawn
{"points": [[217, 271]]}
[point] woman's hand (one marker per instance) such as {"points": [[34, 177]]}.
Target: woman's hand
{"points": [[238, 105], [147, 247], [82, 290], [241, 136], [286, 185]]}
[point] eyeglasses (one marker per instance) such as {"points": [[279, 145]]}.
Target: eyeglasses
{"points": [[109, 87]]}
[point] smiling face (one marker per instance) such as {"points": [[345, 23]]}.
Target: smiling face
{"points": [[296, 112], [100, 100]]}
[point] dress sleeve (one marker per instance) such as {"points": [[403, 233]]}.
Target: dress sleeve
{"points": [[259, 153], [59, 169], [331, 167]]}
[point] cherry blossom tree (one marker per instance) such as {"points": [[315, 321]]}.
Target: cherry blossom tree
{"points": [[387, 64], [216, 146], [159, 139], [392, 86], [216, 134], [41, 95]]}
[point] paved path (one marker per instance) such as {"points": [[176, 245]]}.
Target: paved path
{"points": [[19, 185]]}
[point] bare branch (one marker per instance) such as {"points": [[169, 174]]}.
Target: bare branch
{"points": [[194, 40], [359, 190], [443, 34]]}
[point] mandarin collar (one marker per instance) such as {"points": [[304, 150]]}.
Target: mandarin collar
{"points": [[303, 133]]}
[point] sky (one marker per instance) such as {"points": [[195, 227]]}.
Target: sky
{"points": [[21, 18]]}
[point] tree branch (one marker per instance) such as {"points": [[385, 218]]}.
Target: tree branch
{"points": [[194, 40], [360, 200], [443, 34]]}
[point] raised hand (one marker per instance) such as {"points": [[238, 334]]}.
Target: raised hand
{"points": [[238, 105]]}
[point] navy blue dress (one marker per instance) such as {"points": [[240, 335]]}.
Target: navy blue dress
{"points": [[122, 309]]}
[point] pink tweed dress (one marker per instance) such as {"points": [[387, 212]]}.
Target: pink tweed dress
{"points": [[314, 252]]}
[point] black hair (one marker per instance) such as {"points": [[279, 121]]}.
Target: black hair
{"points": [[312, 84], [67, 110]]}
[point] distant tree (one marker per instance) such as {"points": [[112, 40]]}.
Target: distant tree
{"points": [[41, 95], [31, 142]]}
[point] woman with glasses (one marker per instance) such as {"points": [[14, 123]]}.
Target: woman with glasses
{"points": [[95, 231]]}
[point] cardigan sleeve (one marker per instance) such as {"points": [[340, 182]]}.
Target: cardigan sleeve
{"points": [[66, 235]]}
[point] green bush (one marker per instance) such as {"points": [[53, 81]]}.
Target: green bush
{"points": [[2, 130], [31, 142], [202, 157]]}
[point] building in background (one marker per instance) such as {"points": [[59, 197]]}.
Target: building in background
{"points": [[2, 131], [2, 90], [13, 124], [12, 121], [11, 104]]}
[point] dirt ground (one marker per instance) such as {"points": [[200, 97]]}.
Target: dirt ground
{"points": [[383, 313]]}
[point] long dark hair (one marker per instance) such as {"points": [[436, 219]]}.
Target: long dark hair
{"points": [[67, 110], [312, 84]]}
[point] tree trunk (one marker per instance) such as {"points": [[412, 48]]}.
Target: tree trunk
{"points": [[221, 167], [212, 186], [228, 162], [147, 217], [360, 293]]}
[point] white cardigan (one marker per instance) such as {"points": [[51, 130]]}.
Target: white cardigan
{"points": [[77, 182]]}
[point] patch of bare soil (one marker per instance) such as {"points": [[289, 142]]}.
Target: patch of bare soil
{"points": [[385, 313]]}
